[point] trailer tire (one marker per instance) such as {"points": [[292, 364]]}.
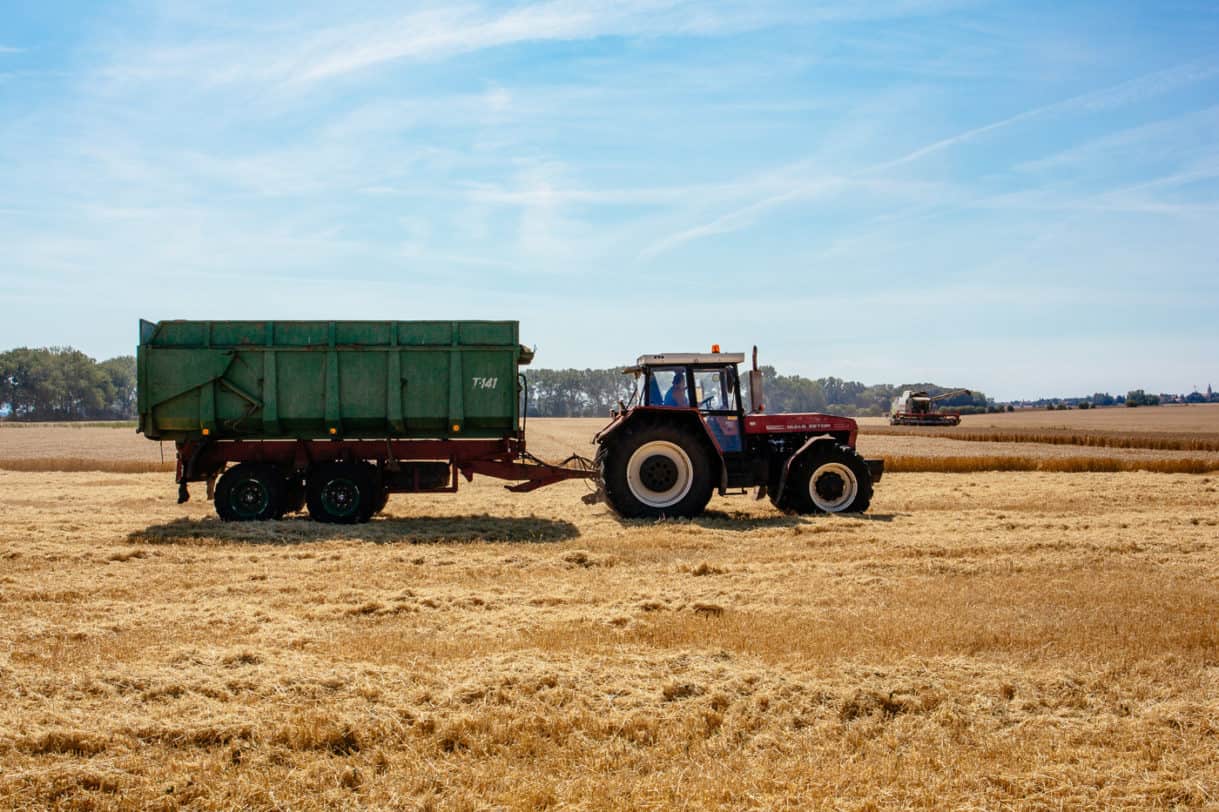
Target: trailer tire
{"points": [[342, 492], [828, 479], [250, 492], [654, 471]]}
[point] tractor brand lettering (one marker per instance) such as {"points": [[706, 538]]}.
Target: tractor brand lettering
{"points": [[797, 426], [485, 383]]}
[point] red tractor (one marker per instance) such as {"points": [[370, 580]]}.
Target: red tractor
{"points": [[689, 435]]}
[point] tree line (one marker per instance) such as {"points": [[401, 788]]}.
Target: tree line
{"points": [[60, 383], [593, 392]]}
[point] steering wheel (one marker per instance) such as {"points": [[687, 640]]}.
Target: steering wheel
{"points": [[706, 401]]}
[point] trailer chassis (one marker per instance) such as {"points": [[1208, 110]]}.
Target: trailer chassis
{"points": [[504, 458]]}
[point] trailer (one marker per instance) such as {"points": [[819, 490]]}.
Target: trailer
{"points": [[276, 416]]}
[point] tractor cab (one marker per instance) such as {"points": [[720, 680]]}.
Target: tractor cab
{"points": [[920, 403], [706, 382]]}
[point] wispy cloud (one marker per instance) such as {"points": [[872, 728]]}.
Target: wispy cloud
{"points": [[316, 52], [1174, 137], [1124, 93], [735, 220], [7, 49], [308, 52]]}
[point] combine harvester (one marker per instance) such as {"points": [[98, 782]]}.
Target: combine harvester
{"points": [[918, 409], [334, 416]]}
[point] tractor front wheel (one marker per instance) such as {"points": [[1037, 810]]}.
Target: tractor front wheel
{"points": [[829, 479], [656, 471]]}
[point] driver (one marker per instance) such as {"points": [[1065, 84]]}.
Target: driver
{"points": [[676, 395]]}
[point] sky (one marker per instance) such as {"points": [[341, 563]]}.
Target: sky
{"points": [[1018, 197]]}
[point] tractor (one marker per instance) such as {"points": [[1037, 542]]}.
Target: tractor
{"points": [[689, 435]]}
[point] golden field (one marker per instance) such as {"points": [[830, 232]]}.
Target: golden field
{"points": [[977, 640]]}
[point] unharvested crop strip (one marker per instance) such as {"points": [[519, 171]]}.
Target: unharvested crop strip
{"points": [[1071, 465], [75, 464], [1095, 439]]}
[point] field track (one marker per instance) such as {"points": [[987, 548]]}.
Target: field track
{"points": [[985, 640]]}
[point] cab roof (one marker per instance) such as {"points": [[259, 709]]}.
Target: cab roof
{"points": [[682, 358]]}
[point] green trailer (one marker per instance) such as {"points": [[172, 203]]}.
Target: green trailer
{"points": [[336, 414], [314, 379]]}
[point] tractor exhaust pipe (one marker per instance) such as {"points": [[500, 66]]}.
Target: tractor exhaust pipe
{"points": [[756, 403]]}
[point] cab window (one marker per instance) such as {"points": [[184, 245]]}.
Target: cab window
{"points": [[667, 387], [716, 390]]}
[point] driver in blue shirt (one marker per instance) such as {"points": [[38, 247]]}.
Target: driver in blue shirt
{"points": [[676, 396]]}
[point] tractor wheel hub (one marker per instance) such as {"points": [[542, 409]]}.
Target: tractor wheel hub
{"points": [[830, 486], [658, 473]]}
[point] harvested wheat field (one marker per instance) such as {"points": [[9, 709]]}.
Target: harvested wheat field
{"points": [[1198, 418], [1168, 439], [980, 640]]}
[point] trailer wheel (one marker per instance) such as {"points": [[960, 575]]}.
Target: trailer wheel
{"points": [[829, 479], [655, 471], [250, 492], [342, 492]]}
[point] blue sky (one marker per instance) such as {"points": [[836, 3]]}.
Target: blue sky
{"points": [[1020, 197]]}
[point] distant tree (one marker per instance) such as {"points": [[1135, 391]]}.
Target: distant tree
{"points": [[576, 392], [840, 392], [121, 372], [1137, 397], [60, 383], [788, 393]]}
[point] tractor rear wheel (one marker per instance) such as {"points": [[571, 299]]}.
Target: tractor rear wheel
{"points": [[829, 479], [250, 492], [342, 492], [655, 471]]}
